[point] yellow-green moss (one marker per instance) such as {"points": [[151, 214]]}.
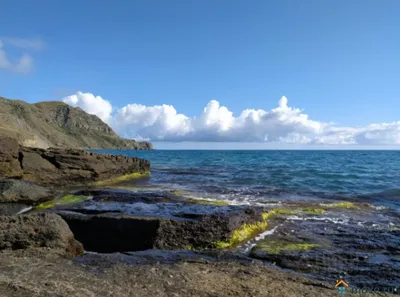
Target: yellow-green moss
{"points": [[275, 247], [311, 210], [122, 178], [287, 211], [283, 211], [248, 231], [245, 232], [66, 200], [178, 192], [208, 202], [342, 205], [268, 215]]}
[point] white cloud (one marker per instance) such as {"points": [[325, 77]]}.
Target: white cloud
{"points": [[24, 64], [91, 104], [24, 43], [216, 123]]}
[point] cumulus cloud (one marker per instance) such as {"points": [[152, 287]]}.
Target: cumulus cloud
{"points": [[24, 43], [24, 64], [216, 123], [91, 104]]}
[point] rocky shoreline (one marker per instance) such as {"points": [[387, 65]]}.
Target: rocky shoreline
{"points": [[69, 226]]}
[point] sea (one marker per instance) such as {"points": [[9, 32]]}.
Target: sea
{"points": [[251, 176]]}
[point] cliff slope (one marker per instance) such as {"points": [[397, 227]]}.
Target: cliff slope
{"points": [[56, 124]]}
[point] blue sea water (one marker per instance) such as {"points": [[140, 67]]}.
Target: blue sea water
{"points": [[258, 176]]}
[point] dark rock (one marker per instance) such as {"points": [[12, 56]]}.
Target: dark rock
{"points": [[42, 230], [9, 153], [20, 191]]}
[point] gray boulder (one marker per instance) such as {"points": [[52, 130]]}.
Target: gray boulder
{"points": [[38, 231], [20, 191]]}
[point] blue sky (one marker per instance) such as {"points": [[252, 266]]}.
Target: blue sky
{"points": [[338, 61]]}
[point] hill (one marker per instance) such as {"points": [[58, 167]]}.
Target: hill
{"points": [[56, 124]]}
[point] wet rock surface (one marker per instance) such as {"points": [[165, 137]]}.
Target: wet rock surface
{"points": [[38, 231], [350, 245], [117, 221]]}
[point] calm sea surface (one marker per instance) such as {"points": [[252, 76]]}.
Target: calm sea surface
{"points": [[259, 176]]}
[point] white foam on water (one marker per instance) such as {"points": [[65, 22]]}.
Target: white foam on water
{"points": [[260, 237], [377, 207], [266, 233], [342, 221], [253, 203], [237, 202], [24, 210]]}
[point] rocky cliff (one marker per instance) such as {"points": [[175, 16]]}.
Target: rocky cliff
{"points": [[56, 124], [65, 167]]}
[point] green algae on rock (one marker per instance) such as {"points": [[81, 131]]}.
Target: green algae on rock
{"points": [[283, 211], [275, 246], [178, 192], [311, 210], [122, 178], [66, 200], [343, 204], [244, 233], [208, 202]]}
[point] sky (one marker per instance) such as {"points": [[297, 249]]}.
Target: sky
{"points": [[273, 73]]}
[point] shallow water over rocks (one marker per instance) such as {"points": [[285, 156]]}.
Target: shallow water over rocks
{"points": [[360, 246]]}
